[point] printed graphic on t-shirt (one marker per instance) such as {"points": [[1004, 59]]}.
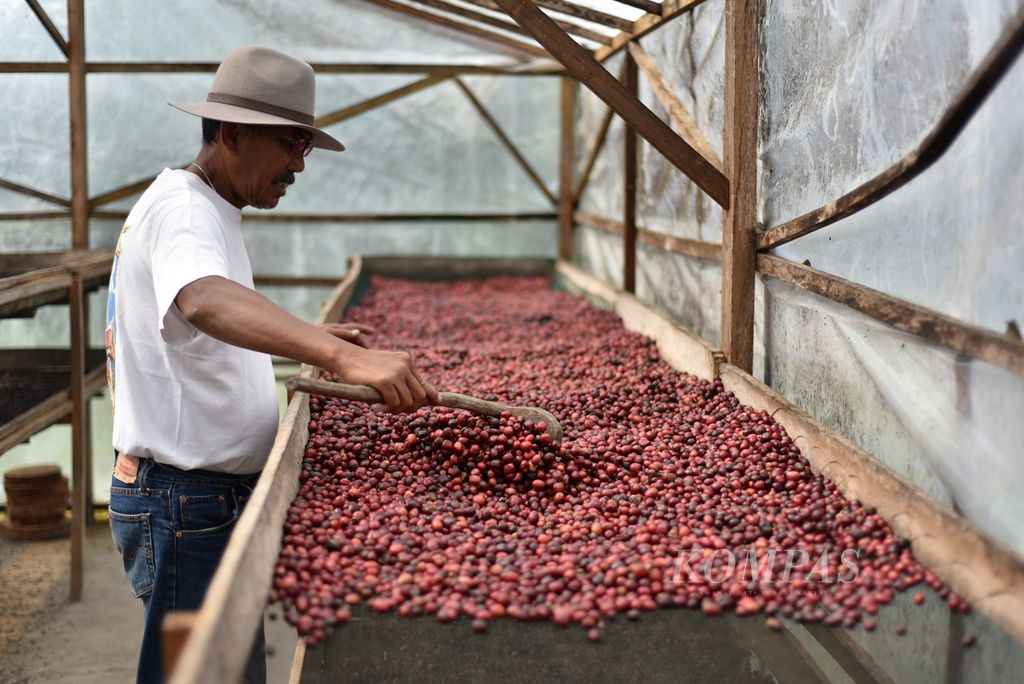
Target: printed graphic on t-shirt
{"points": [[110, 334]]}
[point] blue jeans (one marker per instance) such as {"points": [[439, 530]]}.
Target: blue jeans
{"points": [[171, 527]]}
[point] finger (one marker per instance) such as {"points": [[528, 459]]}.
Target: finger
{"points": [[365, 329], [405, 396], [432, 393], [390, 396], [416, 390], [428, 390]]}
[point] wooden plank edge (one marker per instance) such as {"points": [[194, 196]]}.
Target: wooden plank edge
{"points": [[27, 423], [175, 631], [298, 660], [342, 294], [237, 595], [983, 571]]}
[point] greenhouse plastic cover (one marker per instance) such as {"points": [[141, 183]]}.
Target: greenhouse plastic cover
{"points": [[851, 88]]}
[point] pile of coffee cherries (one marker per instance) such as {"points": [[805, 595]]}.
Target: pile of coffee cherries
{"points": [[665, 490]]}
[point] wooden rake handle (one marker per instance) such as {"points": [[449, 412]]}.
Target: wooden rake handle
{"points": [[448, 399]]}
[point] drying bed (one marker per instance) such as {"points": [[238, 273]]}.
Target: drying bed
{"points": [[666, 491]]}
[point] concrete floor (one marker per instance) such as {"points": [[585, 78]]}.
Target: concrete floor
{"points": [[46, 638]]}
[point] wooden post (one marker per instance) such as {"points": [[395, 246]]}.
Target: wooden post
{"points": [[740, 217], [76, 91], [176, 629], [630, 81], [80, 505], [566, 200]]}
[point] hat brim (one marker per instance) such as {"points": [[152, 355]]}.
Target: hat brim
{"points": [[224, 112]]}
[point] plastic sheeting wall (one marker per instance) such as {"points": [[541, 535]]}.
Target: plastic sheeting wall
{"points": [[848, 89]]}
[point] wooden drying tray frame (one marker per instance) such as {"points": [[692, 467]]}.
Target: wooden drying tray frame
{"points": [[55, 408], [32, 279], [981, 570]]}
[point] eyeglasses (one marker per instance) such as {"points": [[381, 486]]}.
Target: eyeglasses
{"points": [[299, 144]]}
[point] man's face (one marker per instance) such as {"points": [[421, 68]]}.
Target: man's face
{"points": [[268, 157]]}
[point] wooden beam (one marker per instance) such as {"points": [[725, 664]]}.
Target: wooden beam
{"points": [[596, 147], [580, 64], [469, 29], [709, 251], [595, 150], [566, 198], [646, 5], [601, 223], [1004, 351], [941, 137], [644, 25], [631, 82], [50, 27], [681, 119], [33, 67], [740, 217], [373, 218], [318, 67], [80, 507], [79, 135], [572, 10], [32, 192], [491, 20], [295, 281], [513, 150], [33, 215], [352, 111]]}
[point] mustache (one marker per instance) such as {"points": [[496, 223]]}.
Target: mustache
{"points": [[287, 177]]}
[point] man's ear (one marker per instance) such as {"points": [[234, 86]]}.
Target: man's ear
{"points": [[230, 132]]}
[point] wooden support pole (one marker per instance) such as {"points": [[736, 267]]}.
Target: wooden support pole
{"points": [[79, 136], [579, 63], [48, 24], [377, 101], [491, 20], [80, 508], [740, 217], [176, 629], [32, 192], [573, 10], [681, 119], [566, 199], [468, 29], [630, 82]]}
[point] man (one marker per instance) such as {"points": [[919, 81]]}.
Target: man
{"points": [[188, 340]]}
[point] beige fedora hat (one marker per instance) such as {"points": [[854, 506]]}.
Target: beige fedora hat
{"points": [[257, 85]]}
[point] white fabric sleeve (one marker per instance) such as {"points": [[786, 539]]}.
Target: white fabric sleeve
{"points": [[188, 245]]}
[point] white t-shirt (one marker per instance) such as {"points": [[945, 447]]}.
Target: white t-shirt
{"points": [[180, 396]]}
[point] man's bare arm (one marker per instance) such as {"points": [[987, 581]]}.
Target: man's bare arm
{"points": [[232, 313]]}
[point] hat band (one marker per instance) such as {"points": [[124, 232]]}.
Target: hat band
{"points": [[284, 112]]}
